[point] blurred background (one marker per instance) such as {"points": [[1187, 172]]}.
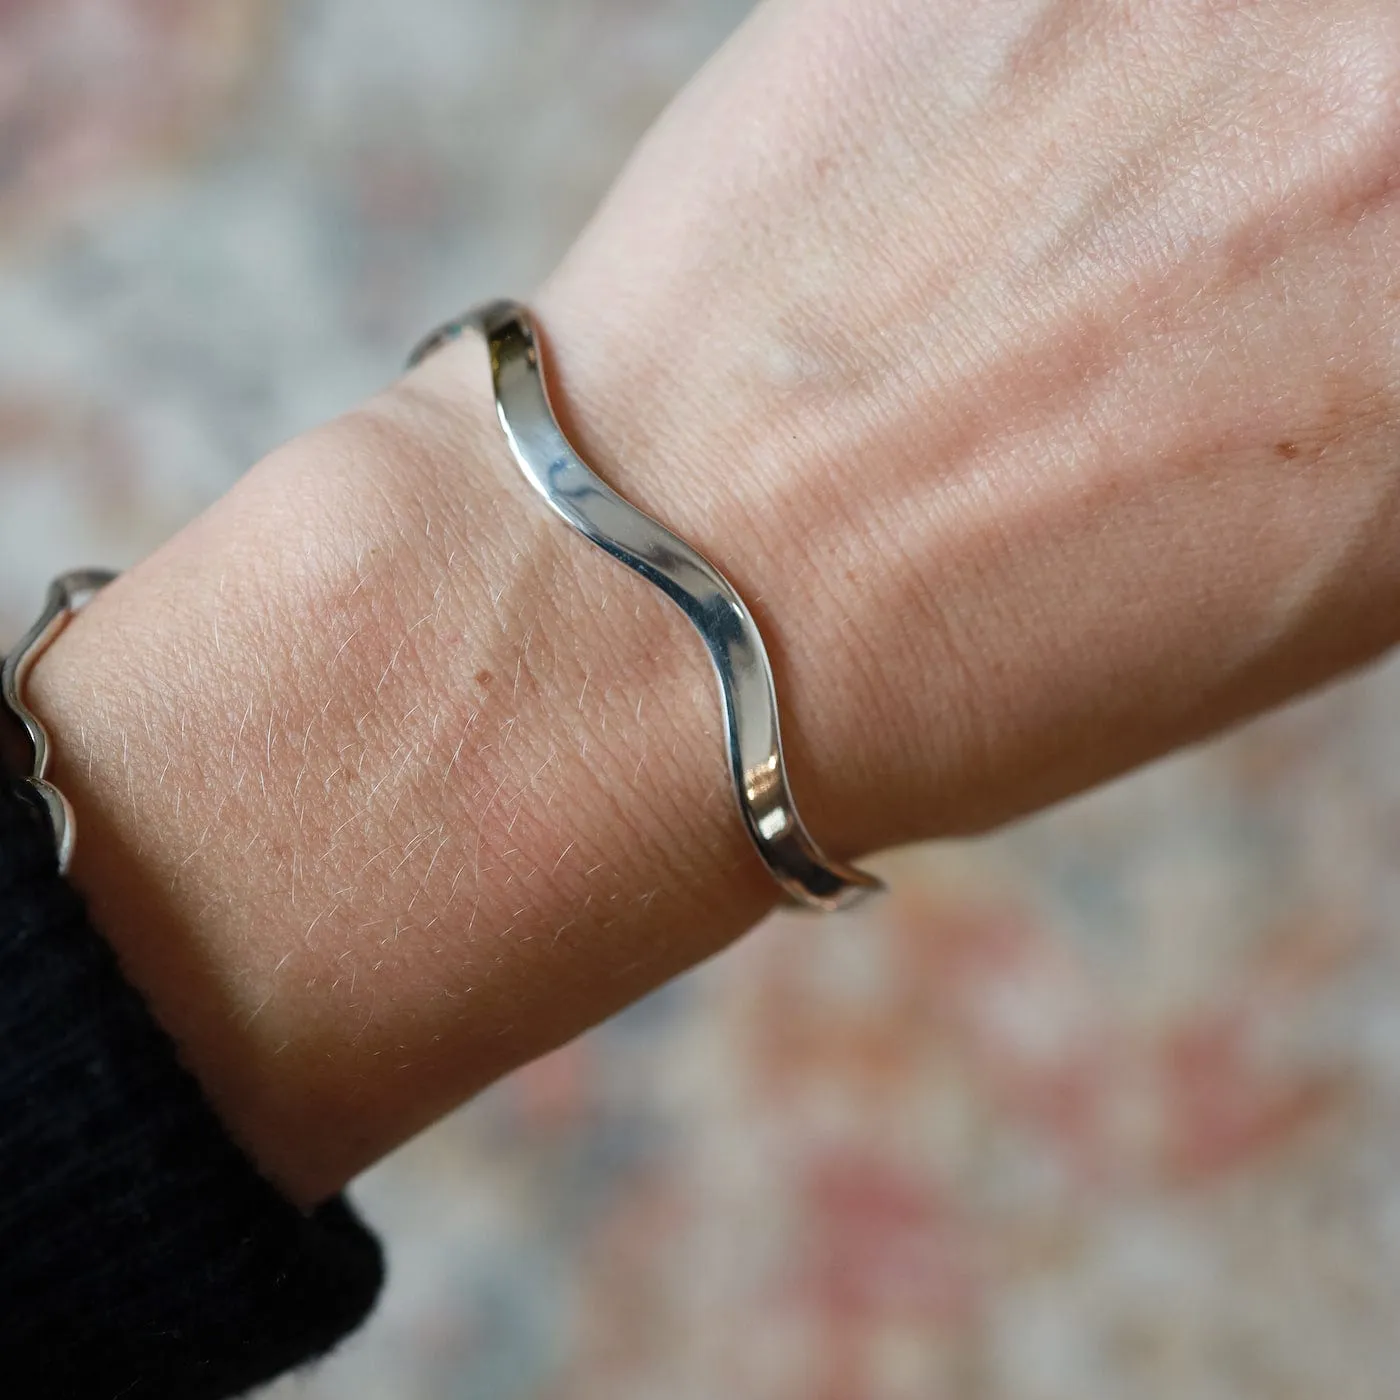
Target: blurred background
{"points": [[1106, 1106]]}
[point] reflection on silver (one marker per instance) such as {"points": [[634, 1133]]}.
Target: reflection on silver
{"points": [[68, 594], [706, 597]]}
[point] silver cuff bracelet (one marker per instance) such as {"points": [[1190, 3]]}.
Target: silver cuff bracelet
{"points": [[706, 597], [68, 594]]}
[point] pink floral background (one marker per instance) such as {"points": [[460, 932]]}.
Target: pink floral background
{"points": [[1106, 1106]]}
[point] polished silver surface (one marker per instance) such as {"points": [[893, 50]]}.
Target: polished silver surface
{"points": [[68, 594], [706, 597]]}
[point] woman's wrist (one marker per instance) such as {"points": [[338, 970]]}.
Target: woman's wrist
{"points": [[386, 783]]}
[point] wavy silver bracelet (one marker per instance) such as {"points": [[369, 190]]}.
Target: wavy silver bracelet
{"points": [[68, 595], [706, 597]]}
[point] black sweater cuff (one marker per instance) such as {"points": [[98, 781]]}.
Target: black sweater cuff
{"points": [[141, 1253]]}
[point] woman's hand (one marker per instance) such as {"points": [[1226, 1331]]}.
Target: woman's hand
{"points": [[1033, 369], [1036, 363]]}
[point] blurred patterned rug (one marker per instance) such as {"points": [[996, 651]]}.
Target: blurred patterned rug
{"points": [[1106, 1106]]}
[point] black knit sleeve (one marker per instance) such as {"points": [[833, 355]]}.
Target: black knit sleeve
{"points": [[141, 1254]]}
